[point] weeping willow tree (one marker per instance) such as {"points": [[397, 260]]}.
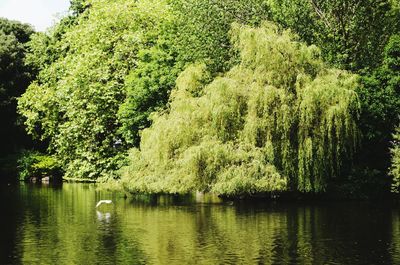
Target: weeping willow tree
{"points": [[280, 119]]}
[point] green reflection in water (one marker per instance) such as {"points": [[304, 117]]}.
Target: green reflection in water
{"points": [[60, 225]]}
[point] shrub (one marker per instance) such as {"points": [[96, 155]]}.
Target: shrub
{"points": [[34, 164], [395, 168]]}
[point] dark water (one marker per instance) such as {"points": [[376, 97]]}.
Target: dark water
{"points": [[49, 225]]}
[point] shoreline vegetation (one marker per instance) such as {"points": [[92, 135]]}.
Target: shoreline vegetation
{"points": [[235, 98]]}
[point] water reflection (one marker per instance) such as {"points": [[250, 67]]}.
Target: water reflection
{"points": [[47, 225], [103, 217]]}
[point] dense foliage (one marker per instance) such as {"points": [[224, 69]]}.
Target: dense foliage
{"points": [[380, 97], [15, 77], [279, 119], [198, 32], [351, 33], [111, 55], [75, 100], [203, 29], [289, 122], [32, 164]]}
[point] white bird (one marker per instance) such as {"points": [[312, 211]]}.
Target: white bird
{"points": [[103, 201]]}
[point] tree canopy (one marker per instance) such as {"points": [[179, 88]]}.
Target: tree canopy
{"points": [[75, 100], [380, 97], [15, 77], [351, 33], [104, 73], [109, 70], [280, 119]]}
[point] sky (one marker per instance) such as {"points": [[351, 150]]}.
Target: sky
{"points": [[39, 13]]}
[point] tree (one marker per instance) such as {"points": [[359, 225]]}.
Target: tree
{"points": [[380, 97], [203, 28], [280, 119], [199, 32], [14, 79], [74, 102], [78, 7], [352, 34], [113, 54]]}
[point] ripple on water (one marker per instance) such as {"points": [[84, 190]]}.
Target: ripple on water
{"points": [[46, 226]]}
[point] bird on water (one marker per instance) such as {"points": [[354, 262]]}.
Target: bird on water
{"points": [[103, 201]]}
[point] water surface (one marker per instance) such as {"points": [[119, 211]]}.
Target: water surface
{"points": [[60, 225]]}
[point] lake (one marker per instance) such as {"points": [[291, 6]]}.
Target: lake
{"points": [[60, 225]]}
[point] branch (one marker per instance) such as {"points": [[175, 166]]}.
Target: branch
{"points": [[320, 14]]}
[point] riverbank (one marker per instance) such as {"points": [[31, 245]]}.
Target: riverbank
{"points": [[362, 188], [78, 180]]}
